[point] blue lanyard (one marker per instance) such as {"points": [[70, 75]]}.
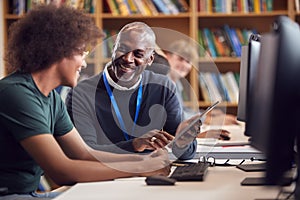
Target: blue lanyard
{"points": [[116, 108]]}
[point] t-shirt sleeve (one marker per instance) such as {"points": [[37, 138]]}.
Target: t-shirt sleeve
{"points": [[63, 123], [26, 115]]}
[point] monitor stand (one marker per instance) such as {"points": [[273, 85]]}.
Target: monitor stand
{"points": [[257, 167], [260, 181]]}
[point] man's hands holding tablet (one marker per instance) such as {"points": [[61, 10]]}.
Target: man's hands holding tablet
{"points": [[186, 132], [152, 140], [157, 139]]}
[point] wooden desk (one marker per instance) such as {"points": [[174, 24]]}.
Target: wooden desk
{"points": [[221, 183]]}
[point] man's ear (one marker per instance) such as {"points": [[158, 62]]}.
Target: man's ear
{"points": [[150, 59]]}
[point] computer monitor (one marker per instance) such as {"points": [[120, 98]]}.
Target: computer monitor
{"points": [[248, 67], [273, 108]]}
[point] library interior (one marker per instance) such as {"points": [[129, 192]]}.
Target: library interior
{"points": [[230, 67]]}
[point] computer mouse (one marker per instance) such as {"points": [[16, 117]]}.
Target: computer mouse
{"points": [[160, 180], [224, 137]]}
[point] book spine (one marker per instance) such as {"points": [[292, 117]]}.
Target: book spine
{"points": [[161, 7], [236, 42], [218, 43], [270, 5], [151, 7], [227, 34], [230, 91], [171, 7], [212, 88], [132, 6], [202, 51], [220, 86], [204, 88], [208, 38], [181, 5], [222, 39], [233, 85]]}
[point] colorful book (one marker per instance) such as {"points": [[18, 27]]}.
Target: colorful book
{"points": [[181, 5], [112, 7], [210, 43], [235, 43], [212, 88], [233, 85], [171, 6], [161, 7], [226, 33], [123, 7], [142, 8], [151, 7], [203, 88], [132, 7], [202, 51], [220, 86]]}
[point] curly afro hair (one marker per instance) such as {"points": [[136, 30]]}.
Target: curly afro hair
{"points": [[46, 35]]}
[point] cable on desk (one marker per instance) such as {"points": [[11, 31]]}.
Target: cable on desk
{"points": [[212, 161], [227, 164], [257, 159]]}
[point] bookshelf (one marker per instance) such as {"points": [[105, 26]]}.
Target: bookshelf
{"points": [[188, 23]]}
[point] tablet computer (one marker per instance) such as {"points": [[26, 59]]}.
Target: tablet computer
{"points": [[190, 132]]}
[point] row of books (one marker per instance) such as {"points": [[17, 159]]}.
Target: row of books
{"points": [[217, 42], [229, 6], [224, 41], [216, 86], [108, 42], [145, 7], [19, 7]]}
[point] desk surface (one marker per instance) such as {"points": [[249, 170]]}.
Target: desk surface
{"points": [[227, 151], [220, 183]]}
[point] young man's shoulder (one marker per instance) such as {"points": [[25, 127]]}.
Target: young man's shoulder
{"points": [[15, 82]]}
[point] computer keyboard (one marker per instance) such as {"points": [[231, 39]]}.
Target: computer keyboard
{"points": [[191, 172]]}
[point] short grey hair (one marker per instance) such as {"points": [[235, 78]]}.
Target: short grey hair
{"points": [[145, 32]]}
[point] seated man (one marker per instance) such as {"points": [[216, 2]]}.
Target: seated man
{"points": [[36, 133], [126, 108]]}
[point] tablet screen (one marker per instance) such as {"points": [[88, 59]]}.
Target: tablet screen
{"points": [[189, 133]]}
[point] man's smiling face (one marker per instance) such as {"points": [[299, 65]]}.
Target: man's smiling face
{"points": [[130, 57]]}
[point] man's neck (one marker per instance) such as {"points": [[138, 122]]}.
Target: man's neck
{"points": [[116, 83], [44, 81]]}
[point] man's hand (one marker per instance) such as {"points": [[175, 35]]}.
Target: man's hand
{"points": [[152, 140], [191, 133]]}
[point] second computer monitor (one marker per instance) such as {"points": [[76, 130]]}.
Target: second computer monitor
{"points": [[248, 68]]}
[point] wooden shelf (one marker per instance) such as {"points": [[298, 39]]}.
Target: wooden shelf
{"points": [[242, 14], [110, 16]]}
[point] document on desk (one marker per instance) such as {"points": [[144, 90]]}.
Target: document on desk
{"points": [[222, 143], [236, 134], [229, 152], [236, 148]]}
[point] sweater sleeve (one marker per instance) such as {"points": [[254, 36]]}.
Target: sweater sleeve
{"points": [[174, 118]]}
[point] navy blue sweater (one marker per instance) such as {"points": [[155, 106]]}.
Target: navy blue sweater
{"points": [[94, 117]]}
